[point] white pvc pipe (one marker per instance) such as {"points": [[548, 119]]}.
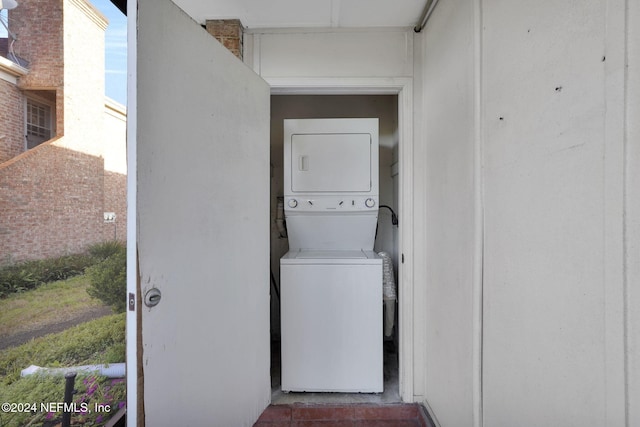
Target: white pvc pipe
{"points": [[112, 370]]}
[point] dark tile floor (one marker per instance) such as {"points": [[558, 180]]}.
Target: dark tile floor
{"points": [[349, 415]]}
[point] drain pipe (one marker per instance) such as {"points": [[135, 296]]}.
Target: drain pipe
{"points": [[428, 10]]}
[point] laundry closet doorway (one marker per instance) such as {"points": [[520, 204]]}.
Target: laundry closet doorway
{"points": [[387, 105]]}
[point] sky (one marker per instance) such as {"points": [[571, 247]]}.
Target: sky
{"points": [[115, 51]]}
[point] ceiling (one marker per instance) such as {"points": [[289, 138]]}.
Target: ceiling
{"points": [[305, 13]]}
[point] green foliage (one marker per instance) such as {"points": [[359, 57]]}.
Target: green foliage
{"points": [[102, 251], [109, 280], [98, 341], [50, 303], [87, 343], [33, 389], [31, 274], [40, 390]]}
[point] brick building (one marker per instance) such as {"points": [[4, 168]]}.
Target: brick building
{"points": [[62, 145]]}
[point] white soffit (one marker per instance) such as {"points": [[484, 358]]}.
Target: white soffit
{"points": [[308, 13]]}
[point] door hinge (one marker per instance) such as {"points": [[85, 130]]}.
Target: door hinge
{"points": [[403, 258]]}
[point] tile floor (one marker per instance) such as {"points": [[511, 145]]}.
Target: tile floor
{"points": [[351, 415]]}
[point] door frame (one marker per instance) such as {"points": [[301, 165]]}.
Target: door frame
{"points": [[403, 88], [134, 305]]}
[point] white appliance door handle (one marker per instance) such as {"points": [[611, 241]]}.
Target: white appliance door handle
{"points": [[303, 163]]}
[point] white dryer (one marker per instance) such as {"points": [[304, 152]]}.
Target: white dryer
{"points": [[331, 280]]}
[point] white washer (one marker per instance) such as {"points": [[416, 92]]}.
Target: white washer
{"points": [[331, 321], [331, 280]]}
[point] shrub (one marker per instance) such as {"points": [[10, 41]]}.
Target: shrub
{"points": [[108, 280], [31, 274], [104, 250], [63, 267]]}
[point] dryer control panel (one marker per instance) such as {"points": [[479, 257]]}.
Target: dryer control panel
{"points": [[306, 203]]}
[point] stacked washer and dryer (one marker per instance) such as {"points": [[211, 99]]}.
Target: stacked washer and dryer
{"points": [[331, 279]]}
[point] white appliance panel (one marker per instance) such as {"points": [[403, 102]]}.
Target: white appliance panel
{"points": [[324, 157], [330, 162], [332, 327], [307, 256], [315, 254], [330, 204], [332, 231]]}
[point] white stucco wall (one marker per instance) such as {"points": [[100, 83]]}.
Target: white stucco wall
{"points": [[559, 237], [302, 53], [544, 103], [115, 138], [447, 126]]}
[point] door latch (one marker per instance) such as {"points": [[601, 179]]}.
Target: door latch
{"points": [[152, 297]]}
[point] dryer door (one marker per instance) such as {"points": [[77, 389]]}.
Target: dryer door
{"points": [[331, 163]]}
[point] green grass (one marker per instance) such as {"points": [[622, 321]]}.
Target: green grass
{"points": [[94, 342], [98, 341], [90, 342], [51, 303]]}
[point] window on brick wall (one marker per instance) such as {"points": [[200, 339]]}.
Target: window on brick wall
{"points": [[38, 123]]}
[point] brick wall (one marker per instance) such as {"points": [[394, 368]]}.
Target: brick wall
{"points": [[51, 202], [229, 32], [38, 25], [52, 197], [11, 121]]}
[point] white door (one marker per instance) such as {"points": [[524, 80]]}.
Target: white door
{"points": [[203, 228]]}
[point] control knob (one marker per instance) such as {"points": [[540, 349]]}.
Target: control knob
{"points": [[292, 203], [369, 203]]}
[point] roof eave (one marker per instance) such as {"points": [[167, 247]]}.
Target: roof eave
{"points": [[12, 68]]}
